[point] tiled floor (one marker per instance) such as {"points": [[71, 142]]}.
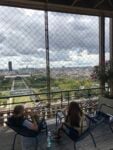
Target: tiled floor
{"points": [[102, 135]]}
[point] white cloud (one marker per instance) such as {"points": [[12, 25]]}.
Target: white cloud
{"points": [[70, 20], [27, 12], [73, 38], [76, 60], [82, 59], [31, 12], [85, 58], [22, 62]]}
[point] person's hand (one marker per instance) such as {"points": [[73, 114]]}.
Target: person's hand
{"points": [[32, 113], [26, 113], [65, 110]]}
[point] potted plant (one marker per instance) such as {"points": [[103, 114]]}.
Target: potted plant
{"points": [[106, 77]]}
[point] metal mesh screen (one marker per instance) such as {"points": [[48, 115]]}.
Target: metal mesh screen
{"points": [[73, 50], [22, 51]]}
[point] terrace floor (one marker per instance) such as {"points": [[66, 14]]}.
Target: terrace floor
{"points": [[102, 135]]}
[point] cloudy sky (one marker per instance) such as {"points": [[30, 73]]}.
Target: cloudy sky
{"points": [[73, 39]]}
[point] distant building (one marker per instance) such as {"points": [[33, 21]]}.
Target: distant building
{"points": [[10, 66]]}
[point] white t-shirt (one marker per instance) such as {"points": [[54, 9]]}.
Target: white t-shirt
{"points": [[27, 124], [28, 143]]}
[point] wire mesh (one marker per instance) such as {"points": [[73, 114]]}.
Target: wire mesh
{"points": [[73, 51]]}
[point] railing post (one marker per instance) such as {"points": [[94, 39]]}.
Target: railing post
{"points": [[68, 98], [61, 99], [89, 94]]}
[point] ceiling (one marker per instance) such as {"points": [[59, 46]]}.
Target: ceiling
{"points": [[88, 7]]}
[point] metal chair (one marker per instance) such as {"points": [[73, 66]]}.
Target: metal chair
{"points": [[74, 135], [101, 117], [71, 132], [25, 132], [59, 117]]}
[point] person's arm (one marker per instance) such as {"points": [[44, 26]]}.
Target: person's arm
{"points": [[65, 110], [34, 123], [30, 125]]}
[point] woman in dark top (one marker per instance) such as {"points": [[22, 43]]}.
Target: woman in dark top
{"points": [[74, 115]]}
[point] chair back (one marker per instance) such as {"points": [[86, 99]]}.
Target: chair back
{"points": [[105, 105], [70, 132], [23, 131], [59, 117], [74, 135]]}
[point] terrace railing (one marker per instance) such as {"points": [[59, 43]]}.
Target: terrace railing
{"points": [[88, 99]]}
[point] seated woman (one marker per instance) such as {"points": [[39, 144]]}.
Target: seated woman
{"points": [[74, 118], [34, 115], [19, 119]]}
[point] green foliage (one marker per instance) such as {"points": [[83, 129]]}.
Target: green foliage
{"points": [[36, 81], [69, 84], [106, 75], [63, 83], [5, 84], [39, 85]]}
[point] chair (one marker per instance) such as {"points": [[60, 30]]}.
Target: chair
{"points": [[101, 117], [59, 117], [43, 126], [74, 135], [71, 132], [25, 132]]}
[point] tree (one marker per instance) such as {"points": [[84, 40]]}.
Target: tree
{"points": [[106, 77]]}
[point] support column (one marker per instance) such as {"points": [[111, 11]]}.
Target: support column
{"points": [[47, 57], [111, 56], [102, 52]]}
